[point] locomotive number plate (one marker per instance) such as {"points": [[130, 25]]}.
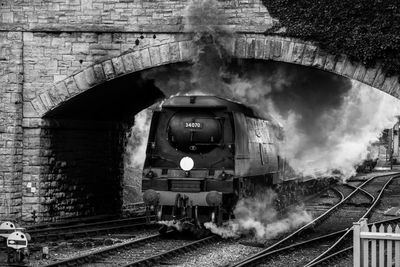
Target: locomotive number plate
{"points": [[194, 125]]}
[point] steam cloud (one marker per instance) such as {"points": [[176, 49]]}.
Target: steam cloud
{"points": [[329, 121], [257, 215], [134, 156], [174, 224], [137, 141]]}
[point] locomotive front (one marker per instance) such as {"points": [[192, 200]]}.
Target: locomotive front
{"points": [[189, 167]]}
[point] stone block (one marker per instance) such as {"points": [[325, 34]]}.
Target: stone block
{"points": [[99, 73], [297, 55], [118, 66], [276, 49], [340, 64], [128, 62], [28, 110], [349, 68], [309, 54], [90, 77], [268, 48], [46, 100], [360, 71], [286, 50], [81, 81], [108, 70], [379, 78], [58, 93], [370, 76], [71, 85], [7, 17], [145, 58], [389, 84], [330, 62], [320, 59], [137, 62], [155, 55], [164, 53], [250, 47], [174, 52], [259, 48], [240, 48], [39, 106], [30, 200], [184, 49], [80, 48]]}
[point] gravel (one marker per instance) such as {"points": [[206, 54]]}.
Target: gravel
{"points": [[73, 248], [217, 254]]}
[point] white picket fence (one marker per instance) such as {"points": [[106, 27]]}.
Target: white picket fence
{"points": [[376, 247]]}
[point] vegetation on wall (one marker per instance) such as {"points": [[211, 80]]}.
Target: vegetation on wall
{"points": [[366, 30]]}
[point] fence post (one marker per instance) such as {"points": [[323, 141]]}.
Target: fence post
{"points": [[356, 244]]}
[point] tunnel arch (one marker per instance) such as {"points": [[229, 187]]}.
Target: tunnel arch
{"points": [[273, 48], [50, 141]]}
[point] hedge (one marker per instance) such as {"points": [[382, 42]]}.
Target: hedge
{"points": [[367, 31]]}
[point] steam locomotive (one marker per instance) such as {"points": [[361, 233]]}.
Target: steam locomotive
{"points": [[203, 154]]}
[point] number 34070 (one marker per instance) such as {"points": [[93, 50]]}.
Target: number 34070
{"points": [[196, 125]]}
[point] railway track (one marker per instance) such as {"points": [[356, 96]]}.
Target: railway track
{"points": [[121, 255], [301, 238], [88, 229], [336, 249], [138, 207]]}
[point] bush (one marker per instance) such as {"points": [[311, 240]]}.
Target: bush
{"points": [[367, 31]]}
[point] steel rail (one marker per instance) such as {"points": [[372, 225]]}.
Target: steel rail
{"points": [[362, 190], [88, 225], [67, 232], [150, 261], [248, 261], [298, 231], [333, 255], [91, 257], [366, 214], [88, 232], [38, 226], [79, 260], [80, 220], [349, 249], [316, 239]]}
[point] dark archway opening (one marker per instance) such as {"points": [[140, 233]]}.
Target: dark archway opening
{"points": [[84, 141]]}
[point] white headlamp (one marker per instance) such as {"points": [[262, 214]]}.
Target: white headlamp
{"points": [[186, 163]]}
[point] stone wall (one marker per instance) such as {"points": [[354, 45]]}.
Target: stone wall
{"points": [[81, 168], [122, 15], [11, 81], [52, 57]]}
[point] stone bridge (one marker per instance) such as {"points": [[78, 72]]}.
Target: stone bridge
{"points": [[70, 88]]}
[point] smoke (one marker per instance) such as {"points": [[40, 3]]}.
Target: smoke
{"points": [[134, 156], [328, 120], [174, 224], [258, 216], [135, 153], [345, 134]]}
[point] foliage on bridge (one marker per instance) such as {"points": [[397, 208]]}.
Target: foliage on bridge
{"points": [[366, 30]]}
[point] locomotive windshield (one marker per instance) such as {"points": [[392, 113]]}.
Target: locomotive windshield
{"points": [[195, 131]]}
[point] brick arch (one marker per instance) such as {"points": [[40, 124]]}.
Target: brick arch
{"points": [[261, 47]]}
